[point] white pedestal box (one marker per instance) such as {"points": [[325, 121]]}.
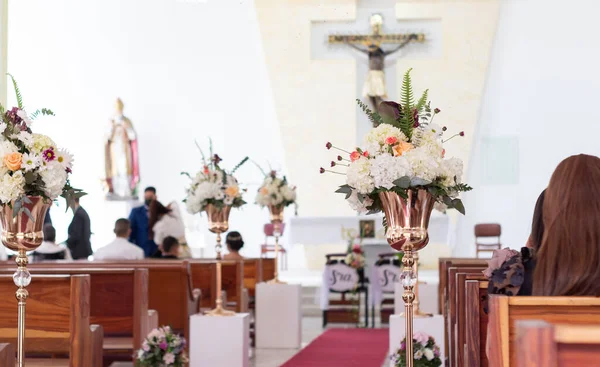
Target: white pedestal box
{"points": [[428, 298], [278, 316], [433, 326], [219, 341]]}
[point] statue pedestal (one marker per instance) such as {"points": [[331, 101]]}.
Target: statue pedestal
{"points": [[219, 341], [278, 316]]}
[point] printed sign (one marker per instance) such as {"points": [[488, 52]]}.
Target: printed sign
{"points": [[341, 277], [387, 275]]}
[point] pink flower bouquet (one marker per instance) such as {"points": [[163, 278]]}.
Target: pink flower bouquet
{"points": [[162, 347]]}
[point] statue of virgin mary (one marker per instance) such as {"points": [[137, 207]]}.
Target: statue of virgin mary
{"points": [[121, 158]]}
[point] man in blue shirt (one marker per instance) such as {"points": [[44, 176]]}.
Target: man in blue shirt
{"points": [[140, 234]]}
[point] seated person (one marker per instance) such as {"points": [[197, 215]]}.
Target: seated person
{"points": [[120, 248], [49, 250], [234, 243], [170, 248]]}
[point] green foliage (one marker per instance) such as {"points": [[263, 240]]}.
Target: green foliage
{"points": [[407, 101], [422, 103], [239, 165], [43, 111], [259, 167], [375, 118], [17, 92], [201, 152], [70, 194]]}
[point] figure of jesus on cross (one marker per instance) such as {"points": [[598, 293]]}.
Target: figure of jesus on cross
{"points": [[374, 88]]}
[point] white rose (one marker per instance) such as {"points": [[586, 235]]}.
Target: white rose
{"points": [[428, 354], [419, 354]]}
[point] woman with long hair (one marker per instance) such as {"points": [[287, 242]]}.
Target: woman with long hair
{"points": [[567, 262], [166, 221]]}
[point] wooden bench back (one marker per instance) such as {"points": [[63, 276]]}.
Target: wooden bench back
{"points": [[170, 290], [57, 316], [460, 327], [268, 269], [451, 314], [506, 311], [118, 299], [204, 277], [443, 265], [7, 354], [476, 322], [252, 275], [563, 345]]}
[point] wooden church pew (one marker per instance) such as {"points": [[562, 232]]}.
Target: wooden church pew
{"points": [[562, 345], [476, 322], [252, 275], [451, 309], [57, 319], [460, 328], [7, 354], [506, 311], [268, 269], [443, 264], [170, 290], [204, 277], [119, 303]]}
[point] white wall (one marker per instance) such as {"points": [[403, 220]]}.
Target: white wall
{"points": [[542, 91], [185, 70]]}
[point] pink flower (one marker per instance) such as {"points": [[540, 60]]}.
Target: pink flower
{"points": [[145, 346], [436, 351], [443, 152], [421, 337], [163, 345], [169, 359], [498, 258], [403, 345], [391, 140], [354, 156], [366, 154], [49, 155], [356, 248]]}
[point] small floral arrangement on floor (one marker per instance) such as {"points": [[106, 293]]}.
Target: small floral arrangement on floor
{"points": [[355, 256], [213, 185], [403, 152], [275, 191], [162, 348], [31, 164], [427, 353]]}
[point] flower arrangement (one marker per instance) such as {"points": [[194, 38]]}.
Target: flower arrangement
{"points": [[31, 164], [213, 185], [355, 256], [275, 191], [427, 353], [162, 347], [403, 152]]}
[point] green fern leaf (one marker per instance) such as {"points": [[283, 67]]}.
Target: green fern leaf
{"points": [[407, 101], [239, 165], [422, 103], [375, 118], [17, 92], [43, 111]]}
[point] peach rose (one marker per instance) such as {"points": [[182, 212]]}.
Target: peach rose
{"points": [[232, 191], [354, 156], [264, 191], [391, 140], [13, 161], [401, 148]]}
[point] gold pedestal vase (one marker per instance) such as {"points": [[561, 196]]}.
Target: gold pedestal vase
{"points": [[218, 222], [276, 214], [21, 233], [407, 223]]}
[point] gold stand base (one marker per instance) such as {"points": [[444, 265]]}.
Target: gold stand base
{"points": [[219, 311]]}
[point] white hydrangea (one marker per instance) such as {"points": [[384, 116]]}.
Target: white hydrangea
{"points": [[274, 192], [424, 166], [54, 177], [385, 169], [358, 176], [7, 147], [41, 142], [429, 137], [11, 187], [288, 193], [357, 205], [374, 141], [449, 169]]}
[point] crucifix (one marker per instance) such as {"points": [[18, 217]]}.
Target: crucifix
{"points": [[374, 87]]}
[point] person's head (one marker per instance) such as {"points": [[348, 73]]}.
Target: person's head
{"points": [[149, 195], [567, 262], [155, 212], [122, 228], [170, 246], [234, 241], [537, 223], [49, 233], [74, 204]]}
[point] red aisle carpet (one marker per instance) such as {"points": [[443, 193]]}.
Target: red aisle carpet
{"points": [[343, 348]]}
